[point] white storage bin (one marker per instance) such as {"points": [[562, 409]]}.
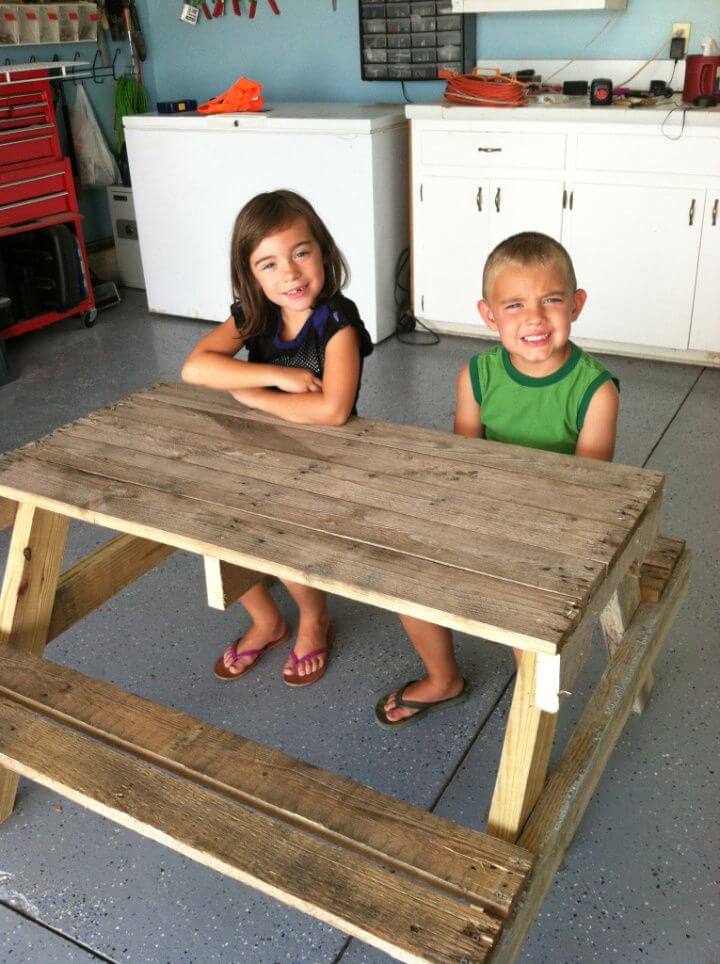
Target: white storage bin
{"points": [[88, 18], [69, 22], [49, 24], [9, 23], [29, 20]]}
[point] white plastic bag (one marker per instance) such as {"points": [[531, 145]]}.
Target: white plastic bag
{"points": [[96, 164]]}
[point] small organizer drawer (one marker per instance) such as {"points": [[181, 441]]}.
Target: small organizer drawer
{"points": [[29, 144], [34, 208], [35, 182], [481, 149], [651, 154]]}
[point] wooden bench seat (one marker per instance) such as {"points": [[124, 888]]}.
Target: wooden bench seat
{"points": [[658, 567], [409, 882]]}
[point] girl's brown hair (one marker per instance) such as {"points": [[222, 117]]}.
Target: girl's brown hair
{"points": [[263, 215]]}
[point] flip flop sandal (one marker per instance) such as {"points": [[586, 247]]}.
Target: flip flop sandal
{"points": [[422, 708], [223, 672], [294, 679]]}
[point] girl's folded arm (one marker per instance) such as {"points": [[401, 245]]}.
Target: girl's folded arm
{"points": [[212, 363], [330, 406]]}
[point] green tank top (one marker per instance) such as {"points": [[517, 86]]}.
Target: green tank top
{"points": [[540, 413]]}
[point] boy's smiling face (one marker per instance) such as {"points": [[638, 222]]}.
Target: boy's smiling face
{"points": [[532, 307]]}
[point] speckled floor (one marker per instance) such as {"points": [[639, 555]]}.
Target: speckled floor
{"points": [[640, 881]]}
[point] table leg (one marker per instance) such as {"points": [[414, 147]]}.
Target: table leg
{"points": [[27, 597], [525, 755], [615, 620]]}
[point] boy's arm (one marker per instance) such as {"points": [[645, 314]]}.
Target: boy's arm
{"points": [[597, 436], [332, 404], [468, 419], [212, 363]]}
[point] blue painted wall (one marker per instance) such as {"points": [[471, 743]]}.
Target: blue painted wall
{"points": [[311, 53]]}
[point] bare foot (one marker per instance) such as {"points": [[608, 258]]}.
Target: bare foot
{"points": [[311, 635], [255, 638], [424, 691]]}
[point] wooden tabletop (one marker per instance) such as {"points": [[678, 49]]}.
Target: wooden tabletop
{"points": [[498, 541]]}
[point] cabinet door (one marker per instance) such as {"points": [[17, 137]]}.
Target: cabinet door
{"points": [[521, 204], [635, 251], [451, 243], [705, 331]]}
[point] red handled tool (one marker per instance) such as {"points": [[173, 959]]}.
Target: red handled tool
{"points": [[273, 6]]}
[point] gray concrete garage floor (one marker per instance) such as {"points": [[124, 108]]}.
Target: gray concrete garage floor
{"points": [[640, 881]]}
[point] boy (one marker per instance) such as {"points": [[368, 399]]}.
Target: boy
{"points": [[535, 389]]}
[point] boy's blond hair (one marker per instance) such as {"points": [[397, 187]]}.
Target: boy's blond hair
{"points": [[525, 249]]}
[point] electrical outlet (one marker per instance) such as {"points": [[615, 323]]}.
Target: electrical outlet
{"points": [[682, 30]]}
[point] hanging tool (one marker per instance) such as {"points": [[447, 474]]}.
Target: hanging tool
{"points": [[102, 42], [237, 8], [273, 6]]}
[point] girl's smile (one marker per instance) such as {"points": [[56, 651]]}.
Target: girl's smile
{"points": [[289, 268]]}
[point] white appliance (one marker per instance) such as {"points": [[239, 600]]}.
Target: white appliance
{"points": [[191, 174], [125, 234], [533, 6]]}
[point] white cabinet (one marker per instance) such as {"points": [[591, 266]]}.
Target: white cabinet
{"points": [[705, 330], [191, 175], [458, 221], [635, 250], [638, 210], [533, 6]]}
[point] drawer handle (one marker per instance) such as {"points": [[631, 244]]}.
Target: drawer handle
{"points": [[33, 200], [26, 140], [490, 150], [31, 180], [498, 196], [691, 218], [478, 199], [572, 199], [564, 199], [715, 212]]}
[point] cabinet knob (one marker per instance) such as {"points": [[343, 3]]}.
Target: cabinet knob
{"points": [[478, 199], [691, 219]]}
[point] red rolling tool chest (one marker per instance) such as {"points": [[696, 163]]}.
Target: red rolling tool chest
{"points": [[37, 195]]}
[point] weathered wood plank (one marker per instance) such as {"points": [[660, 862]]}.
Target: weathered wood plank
{"points": [[560, 494], [513, 458], [225, 584], [410, 534], [401, 917], [27, 596], [8, 508], [553, 822], [615, 619], [658, 566], [525, 755], [468, 602], [99, 576], [464, 862], [216, 443]]}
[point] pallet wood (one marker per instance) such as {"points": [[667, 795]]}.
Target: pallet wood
{"points": [[225, 583], [462, 862], [553, 822], [28, 593], [101, 575], [614, 621], [515, 458], [8, 508], [658, 567], [492, 609]]}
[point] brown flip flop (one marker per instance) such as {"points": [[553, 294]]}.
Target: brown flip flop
{"points": [[223, 672], [293, 679]]}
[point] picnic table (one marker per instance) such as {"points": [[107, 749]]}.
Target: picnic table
{"points": [[512, 545]]}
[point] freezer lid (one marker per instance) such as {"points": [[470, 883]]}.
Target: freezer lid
{"points": [[336, 117]]}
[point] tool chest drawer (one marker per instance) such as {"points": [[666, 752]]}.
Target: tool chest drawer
{"points": [[25, 110], [482, 149], [23, 184], [33, 143], [34, 209]]}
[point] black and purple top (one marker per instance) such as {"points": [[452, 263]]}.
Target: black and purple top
{"points": [[307, 349]]}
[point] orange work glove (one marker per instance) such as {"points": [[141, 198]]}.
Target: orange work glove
{"points": [[244, 95]]}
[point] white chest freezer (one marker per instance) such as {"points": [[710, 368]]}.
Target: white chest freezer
{"points": [[191, 174]]}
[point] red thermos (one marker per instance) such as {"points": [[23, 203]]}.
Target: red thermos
{"points": [[702, 78]]}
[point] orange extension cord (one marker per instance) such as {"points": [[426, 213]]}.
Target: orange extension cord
{"points": [[498, 90]]}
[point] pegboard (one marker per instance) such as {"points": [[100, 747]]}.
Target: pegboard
{"points": [[412, 39]]}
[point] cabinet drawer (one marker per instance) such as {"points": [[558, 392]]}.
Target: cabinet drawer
{"points": [[32, 183], [483, 149], [34, 208], [652, 155], [29, 144]]}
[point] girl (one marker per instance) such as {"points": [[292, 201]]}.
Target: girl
{"points": [[306, 345]]}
